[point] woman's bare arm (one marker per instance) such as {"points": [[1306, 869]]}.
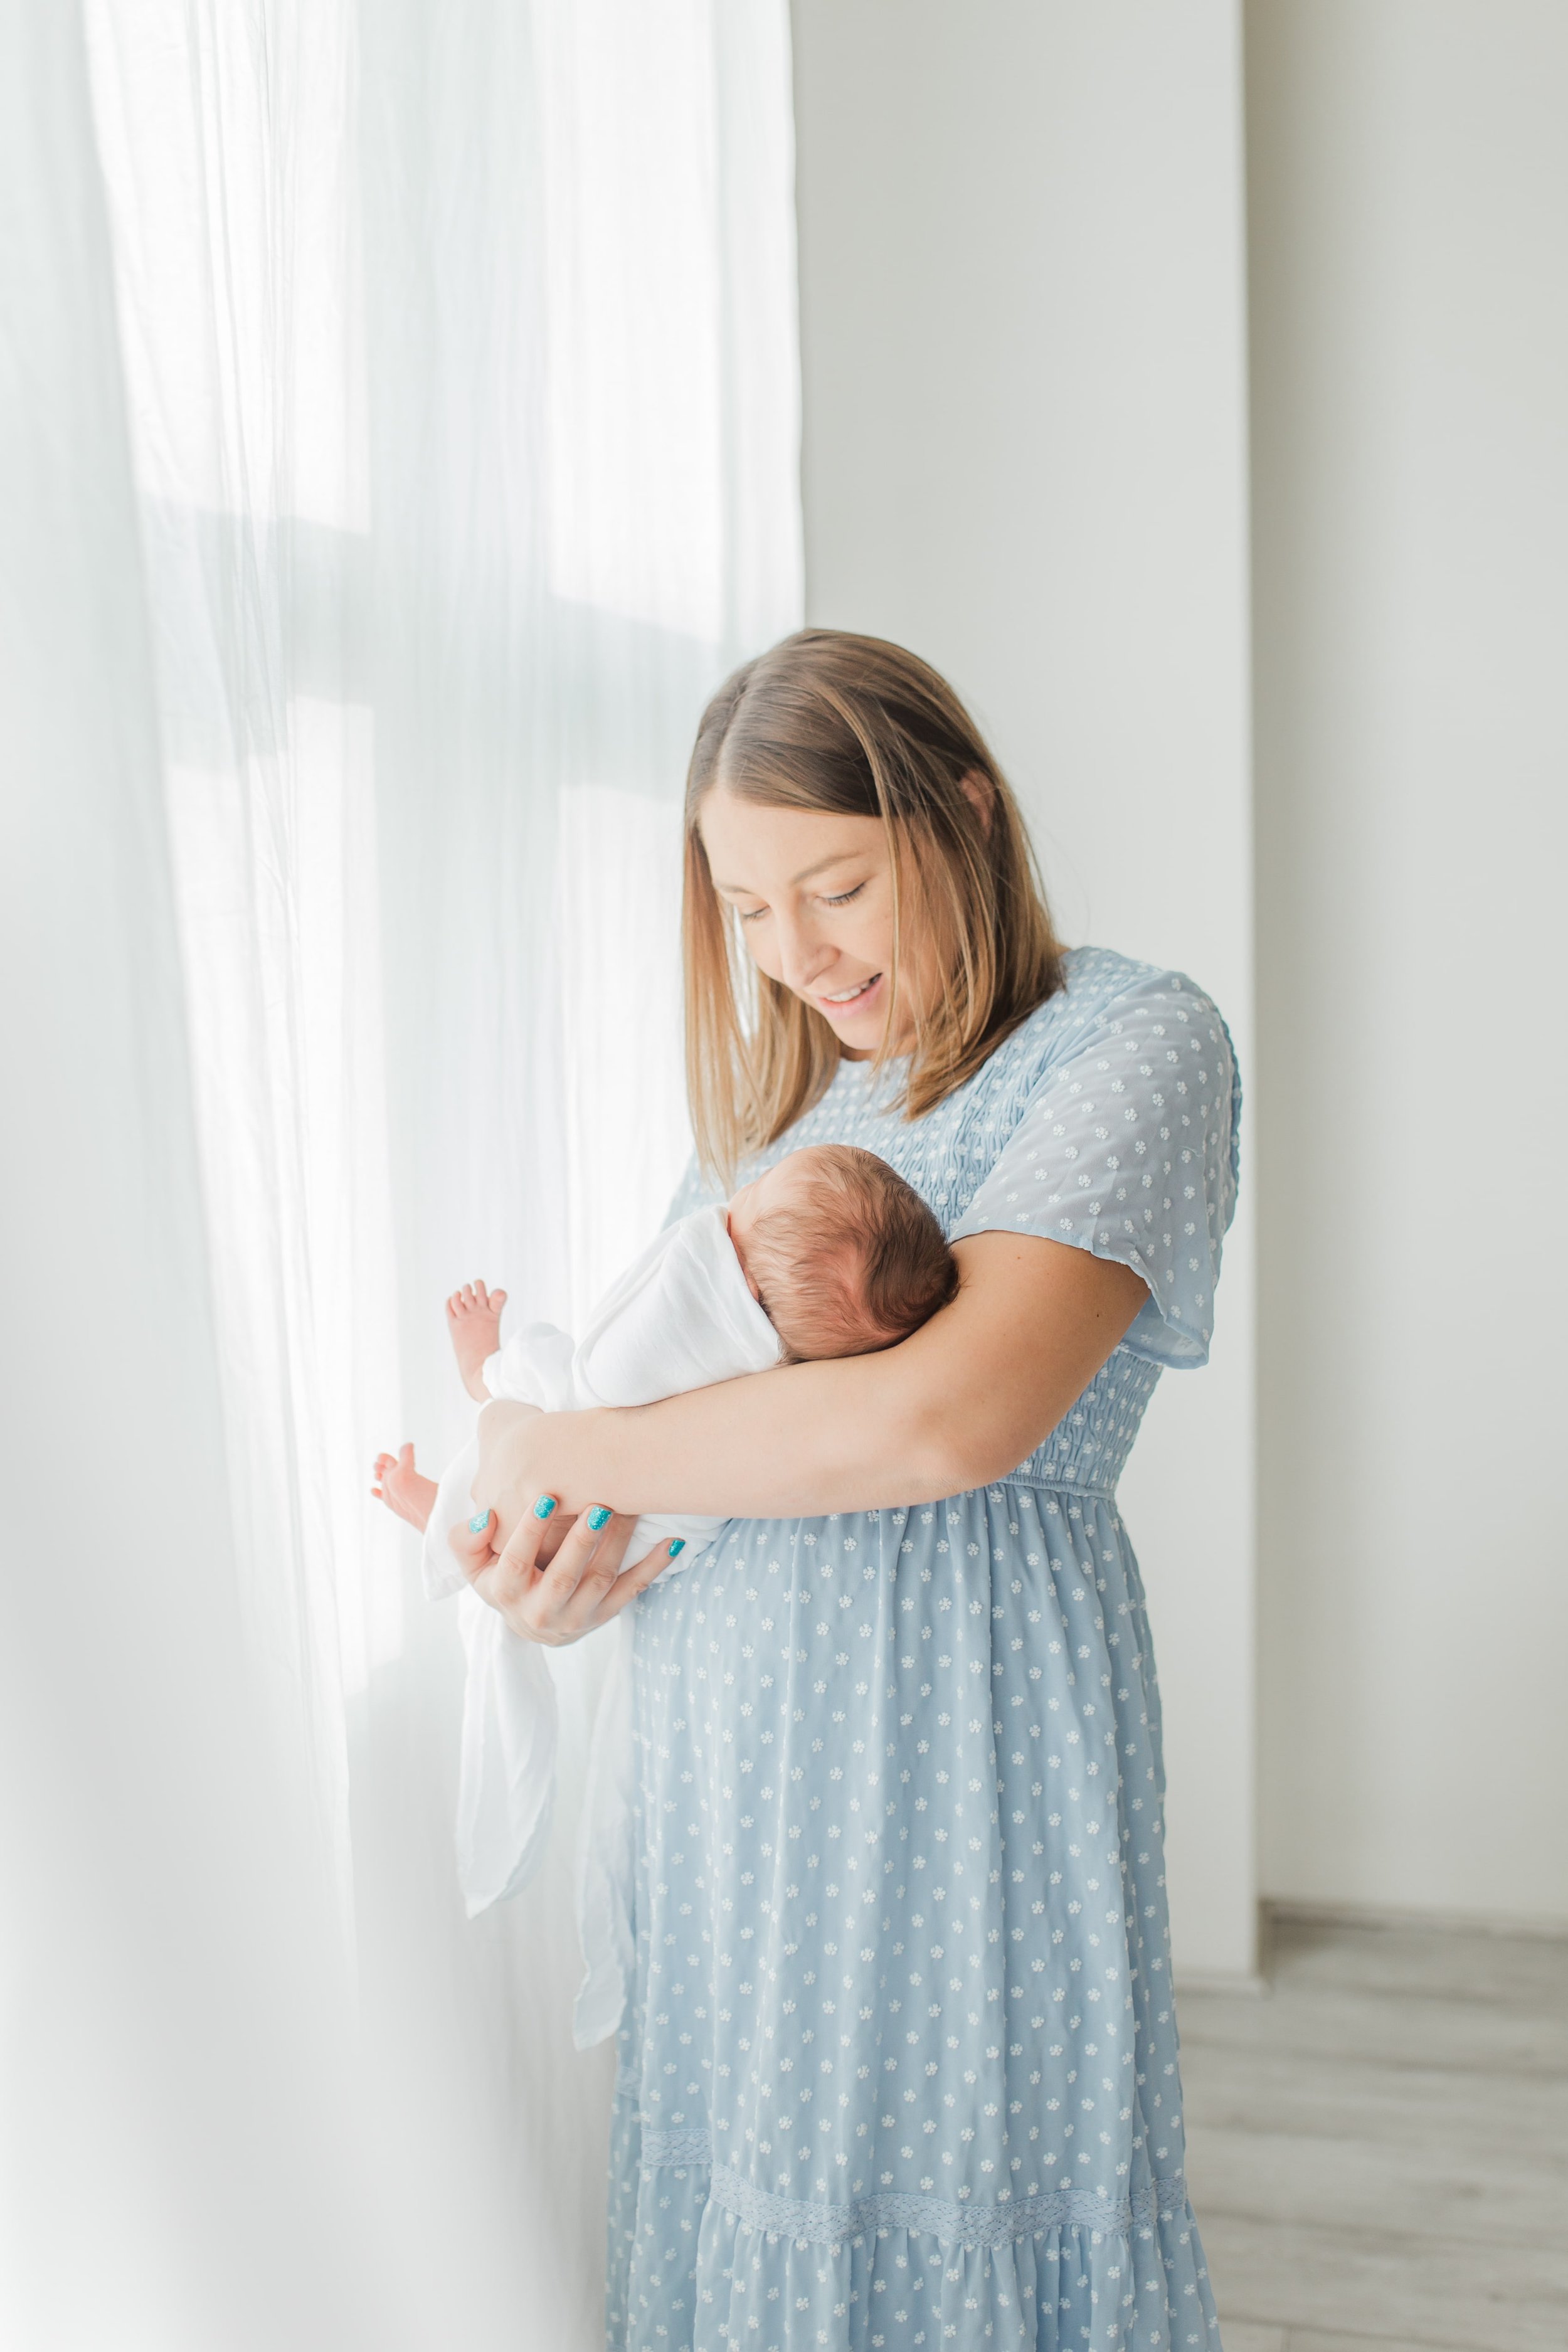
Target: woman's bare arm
{"points": [[963, 1401]]}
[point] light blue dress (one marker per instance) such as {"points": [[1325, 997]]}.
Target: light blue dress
{"points": [[900, 2070]]}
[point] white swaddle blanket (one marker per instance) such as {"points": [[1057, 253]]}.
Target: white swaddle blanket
{"points": [[680, 1318]]}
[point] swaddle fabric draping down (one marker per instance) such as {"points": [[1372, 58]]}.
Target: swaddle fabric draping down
{"points": [[681, 1316]]}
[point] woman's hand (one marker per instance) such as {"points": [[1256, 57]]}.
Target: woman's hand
{"points": [[576, 1589]]}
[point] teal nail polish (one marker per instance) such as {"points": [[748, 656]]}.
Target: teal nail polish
{"points": [[544, 1505], [678, 1545], [479, 1523], [598, 1517]]}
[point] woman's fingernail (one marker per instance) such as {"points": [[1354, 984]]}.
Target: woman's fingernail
{"points": [[479, 1523], [544, 1505], [598, 1517], [678, 1545]]}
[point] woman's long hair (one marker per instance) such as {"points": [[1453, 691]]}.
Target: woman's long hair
{"points": [[857, 726]]}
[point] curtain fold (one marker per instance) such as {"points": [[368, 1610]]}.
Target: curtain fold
{"points": [[400, 419], [182, 2162]]}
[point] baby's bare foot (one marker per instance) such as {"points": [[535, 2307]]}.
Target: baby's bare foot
{"points": [[402, 1489], [473, 1318]]}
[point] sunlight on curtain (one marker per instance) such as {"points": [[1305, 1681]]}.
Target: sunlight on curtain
{"points": [[233, 208], [185, 2161], [459, 368]]}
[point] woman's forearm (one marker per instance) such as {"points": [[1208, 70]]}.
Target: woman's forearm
{"points": [[809, 1438], [963, 1401]]}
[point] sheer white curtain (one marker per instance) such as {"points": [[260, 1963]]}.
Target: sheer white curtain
{"points": [[439, 356]]}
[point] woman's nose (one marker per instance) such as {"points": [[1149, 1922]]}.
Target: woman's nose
{"points": [[803, 954]]}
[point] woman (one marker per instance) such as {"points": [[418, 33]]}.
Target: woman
{"points": [[900, 2068]]}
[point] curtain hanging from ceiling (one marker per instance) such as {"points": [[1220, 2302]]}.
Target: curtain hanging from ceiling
{"points": [[438, 357]]}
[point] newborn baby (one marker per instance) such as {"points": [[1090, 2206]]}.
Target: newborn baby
{"points": [[829, 1253]]}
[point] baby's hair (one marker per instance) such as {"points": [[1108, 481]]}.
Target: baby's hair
{"points": [[857, 1265]]}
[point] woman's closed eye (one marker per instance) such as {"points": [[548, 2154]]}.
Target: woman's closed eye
{"points": [[840, 898]]}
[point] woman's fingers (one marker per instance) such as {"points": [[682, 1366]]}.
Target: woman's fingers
{"points": [[554, 1579], [470, 1544], [556, 1603], [564, 1603], [518, 1566], [637, 1578], [602, 1589], [601, 1568]]}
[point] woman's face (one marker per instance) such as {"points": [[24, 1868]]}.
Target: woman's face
{"points": [[815, 896]]}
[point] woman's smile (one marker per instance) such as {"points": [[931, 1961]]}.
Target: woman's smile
{"points": [[853, 1003]]}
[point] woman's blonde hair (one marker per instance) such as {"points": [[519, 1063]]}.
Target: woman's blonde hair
{"points": [[859, 728]]}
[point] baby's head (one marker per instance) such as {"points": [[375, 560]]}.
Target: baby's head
{"points": [[841, 1254]]}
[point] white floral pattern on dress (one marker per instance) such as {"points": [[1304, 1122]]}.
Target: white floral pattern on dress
{"points": [[900, 2069]]}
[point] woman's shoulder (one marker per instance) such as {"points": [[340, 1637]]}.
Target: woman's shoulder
{"points": [[1102, 992], [1115, 1022]]}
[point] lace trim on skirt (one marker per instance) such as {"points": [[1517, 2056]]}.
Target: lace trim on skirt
{"points": [[936, 2217]]}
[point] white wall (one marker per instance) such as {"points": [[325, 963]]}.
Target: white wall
{"points": [[1023, 346], [1409, 210]]}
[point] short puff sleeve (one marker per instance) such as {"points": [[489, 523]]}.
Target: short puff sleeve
{"points": [[1127, 1148]]}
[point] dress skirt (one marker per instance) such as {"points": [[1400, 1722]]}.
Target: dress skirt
{"points": [[901, 2067]]}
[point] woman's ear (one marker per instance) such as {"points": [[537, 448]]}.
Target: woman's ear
{"points": [[980, 792]]}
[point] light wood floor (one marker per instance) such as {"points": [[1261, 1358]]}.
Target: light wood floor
{"points": [[1379, 2146]]}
